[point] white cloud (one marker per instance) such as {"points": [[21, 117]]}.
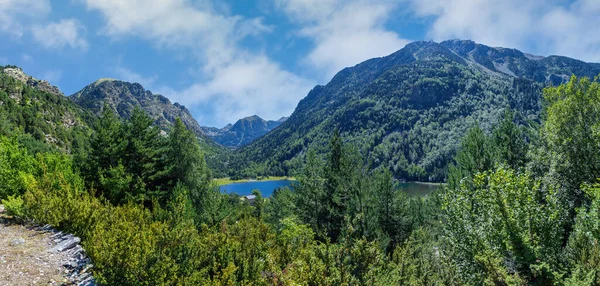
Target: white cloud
{"points": [[543, 27], [233, 82], [13, 14], [255, 85], [345, 33], [57, 35]]}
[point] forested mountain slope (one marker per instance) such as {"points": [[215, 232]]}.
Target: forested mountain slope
{"points": [[123, 97], [40, 111], [243, 132], [407, 111]]}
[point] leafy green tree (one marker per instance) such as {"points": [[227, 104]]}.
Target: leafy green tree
{"points": [[572, 132], [505, 223]]}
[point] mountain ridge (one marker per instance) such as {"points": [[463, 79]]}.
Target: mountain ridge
{"points": [[408, 110], [123, 97], [243, 131]]}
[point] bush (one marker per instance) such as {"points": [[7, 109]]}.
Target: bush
{"points": [[14, 206]]}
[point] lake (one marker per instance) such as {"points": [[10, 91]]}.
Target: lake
{"points": [[267, 187], [418, 189]]}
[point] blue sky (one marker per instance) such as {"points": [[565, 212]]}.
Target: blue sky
{"points": [[227, 60]]}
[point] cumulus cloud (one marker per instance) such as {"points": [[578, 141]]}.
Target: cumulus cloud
{"points": [[344, 32], [57, 35], [14, 14], [234, 82], [543, 27]]}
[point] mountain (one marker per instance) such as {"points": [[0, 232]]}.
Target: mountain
{"points": [[243, 131], [40, 113], [123, 97], [409, 110], [42, 85]]}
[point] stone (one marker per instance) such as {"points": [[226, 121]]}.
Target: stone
{"points": [[17, 241], [66, 244]]}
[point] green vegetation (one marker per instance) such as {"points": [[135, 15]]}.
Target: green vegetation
{"points": [[407, 112], [521, 207]]}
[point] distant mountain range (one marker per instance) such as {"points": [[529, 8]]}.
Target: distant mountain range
{"points": [[408, 111], [244, 131]]}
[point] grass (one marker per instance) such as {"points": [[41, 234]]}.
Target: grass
{"points": [[227, 181]]}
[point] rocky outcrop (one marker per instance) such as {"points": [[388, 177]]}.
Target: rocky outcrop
{"points": [[18, 74]]}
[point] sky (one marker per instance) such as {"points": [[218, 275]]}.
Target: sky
{"points": [[225, 60]]}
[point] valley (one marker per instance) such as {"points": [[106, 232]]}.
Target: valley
{"points": [[443, 163]]}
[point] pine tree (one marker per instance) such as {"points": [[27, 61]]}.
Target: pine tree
{"points": [[185, 164], [310, 193], [510, 147], [336, 196]]}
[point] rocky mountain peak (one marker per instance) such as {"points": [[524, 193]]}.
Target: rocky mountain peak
{"points": [[123, 97], [18, 74]]}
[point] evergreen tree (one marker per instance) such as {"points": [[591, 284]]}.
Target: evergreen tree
{"points": [[336, 196], [310, 193], [509, 143], [184, 164], [258, 204], [475, 155], [142, 153]]}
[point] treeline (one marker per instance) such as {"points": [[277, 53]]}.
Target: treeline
{"points": [[522, 206]]}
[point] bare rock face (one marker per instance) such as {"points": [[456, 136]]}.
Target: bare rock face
{"points": [[18, 74]]}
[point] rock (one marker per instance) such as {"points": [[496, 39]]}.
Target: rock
{"points": [[66, 244], [17, 241]]}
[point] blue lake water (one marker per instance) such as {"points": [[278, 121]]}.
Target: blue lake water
{"points": [[267, 187]]}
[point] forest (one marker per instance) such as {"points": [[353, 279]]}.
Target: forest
{"points": [[521, 205]]}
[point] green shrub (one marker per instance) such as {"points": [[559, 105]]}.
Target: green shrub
{"points": [[14, 206]]}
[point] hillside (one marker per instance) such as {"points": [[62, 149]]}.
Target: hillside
{"points": [[40, 111], [408, 110], [123, 97], [243, 132]]}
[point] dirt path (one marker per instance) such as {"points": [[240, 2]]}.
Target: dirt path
{"points": [[30, 256]]}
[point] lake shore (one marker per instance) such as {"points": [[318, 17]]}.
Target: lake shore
{"points": [[227, 181], [426, 183]]}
